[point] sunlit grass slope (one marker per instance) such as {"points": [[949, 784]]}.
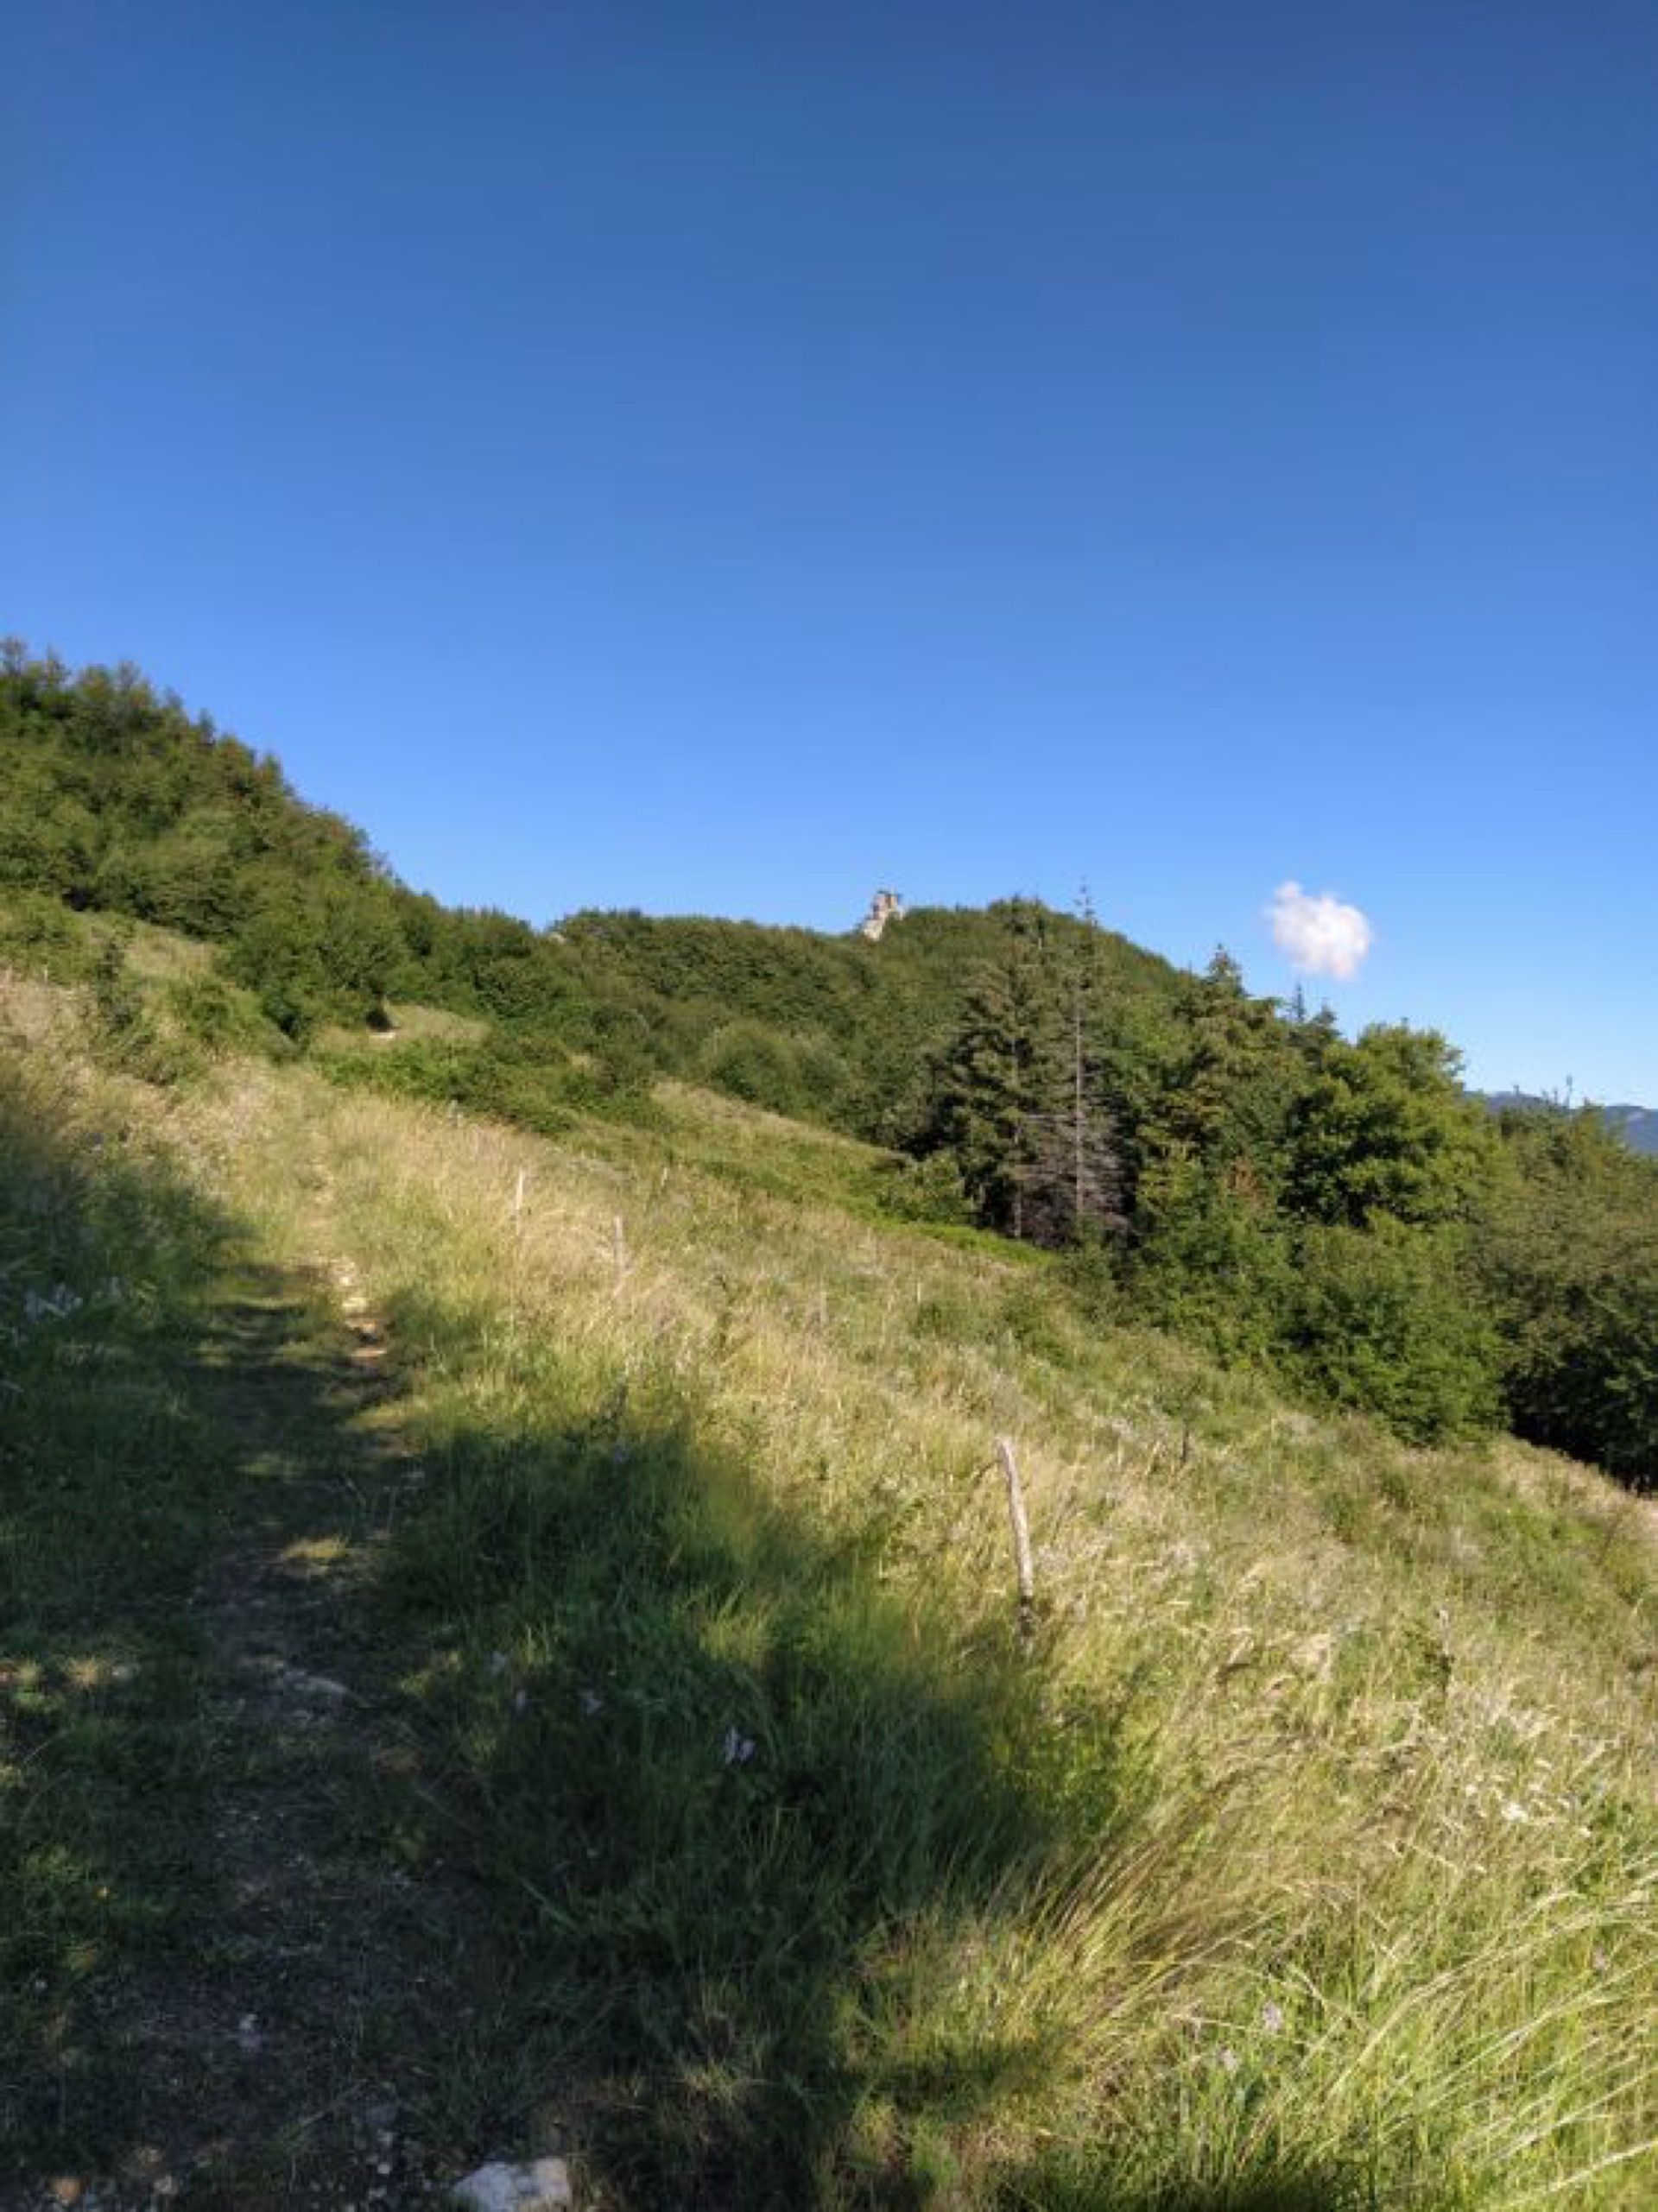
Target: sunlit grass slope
{"points": [[1300, 1853], [1306, 1856]]}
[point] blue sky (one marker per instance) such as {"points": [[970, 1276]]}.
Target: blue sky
{"points": [[725, 457]]}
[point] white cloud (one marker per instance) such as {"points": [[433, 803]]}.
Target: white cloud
{"points": [[1322, 935]]}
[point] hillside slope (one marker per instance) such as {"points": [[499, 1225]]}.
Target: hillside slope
{"points": [[1300, 1851], [115, 800], [1336, 1212]]}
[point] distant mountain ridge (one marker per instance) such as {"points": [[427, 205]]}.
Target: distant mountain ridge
{"points": [[1636, 1125]]}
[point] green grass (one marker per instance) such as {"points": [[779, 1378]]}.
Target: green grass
{"points": [[1303, 1854], [410, 1024], [176, 1411], [1317, 1731], [108, 1505]]}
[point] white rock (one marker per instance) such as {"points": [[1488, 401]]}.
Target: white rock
{"points": [[542, 2186], [321, 1687]]}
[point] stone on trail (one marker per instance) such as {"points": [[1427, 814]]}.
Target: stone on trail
{"points": [[542, 2186], [321, 1688]]}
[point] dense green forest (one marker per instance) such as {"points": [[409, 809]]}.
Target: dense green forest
{"points": [[1339, 1211]]}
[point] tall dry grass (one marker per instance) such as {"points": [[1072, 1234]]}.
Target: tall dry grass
{"points": [[1306, 1856]]}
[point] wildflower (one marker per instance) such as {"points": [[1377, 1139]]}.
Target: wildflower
{"points": [[738, 1749], [1272, 2017], [1229, 2060], [1516, 1813]]}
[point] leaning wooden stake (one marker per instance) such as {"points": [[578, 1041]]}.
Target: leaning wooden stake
{"points": [[1020, 1530]]}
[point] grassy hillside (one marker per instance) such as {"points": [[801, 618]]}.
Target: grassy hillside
{"points": [[115, 801], [683, 1789], [1334, 1212]]}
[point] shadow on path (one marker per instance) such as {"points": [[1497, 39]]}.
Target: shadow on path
{"points": [[224, 1984]]}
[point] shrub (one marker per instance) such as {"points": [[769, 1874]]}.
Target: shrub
{"points": [[929, 1190], [124, 1032], [523, 1077], [1384, 1320], [216, 1016], [40, 935], [1216, 1267], [1567, 1249], [756, 1066]]}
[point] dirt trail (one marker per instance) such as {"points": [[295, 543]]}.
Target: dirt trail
{"points": [[290, 2050]]}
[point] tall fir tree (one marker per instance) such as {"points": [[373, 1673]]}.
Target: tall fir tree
{"points": [[1021, 1104]]}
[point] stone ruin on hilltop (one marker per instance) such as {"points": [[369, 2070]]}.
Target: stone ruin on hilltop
{"points": [[885, 906]]}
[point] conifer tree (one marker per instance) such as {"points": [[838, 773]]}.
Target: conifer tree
{"points": [[1229, 1108], [1022, 1105]]}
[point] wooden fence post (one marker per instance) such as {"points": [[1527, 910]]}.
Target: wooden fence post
{"points": [[1020, 1526]]}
